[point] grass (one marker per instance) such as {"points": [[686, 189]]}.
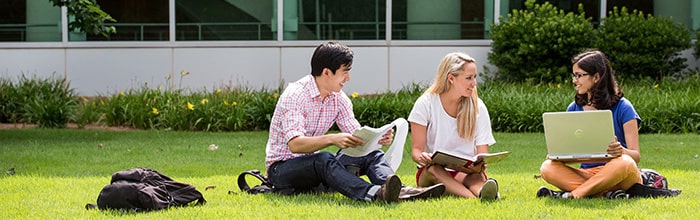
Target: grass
{"points": [[58, 171]]}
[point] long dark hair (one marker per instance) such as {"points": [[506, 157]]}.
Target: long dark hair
{"points": [[605, 93]]}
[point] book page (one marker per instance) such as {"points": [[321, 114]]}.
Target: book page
{"points": [[446, 159], [371, 136]]}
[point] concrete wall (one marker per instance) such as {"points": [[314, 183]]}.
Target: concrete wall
{"points": [[378, 66], [105, 70]]}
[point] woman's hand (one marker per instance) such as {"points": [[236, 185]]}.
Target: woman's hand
{"points": [[424, 159], [615, 148], [472, 168]]}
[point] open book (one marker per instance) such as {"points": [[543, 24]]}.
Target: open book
{"points": [[371, 136], [445, 159]]}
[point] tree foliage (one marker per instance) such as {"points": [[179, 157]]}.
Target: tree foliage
{"points": [[89, 18]]}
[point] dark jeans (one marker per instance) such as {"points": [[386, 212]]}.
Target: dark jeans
{"points": [[306, 172], [373, 165]]}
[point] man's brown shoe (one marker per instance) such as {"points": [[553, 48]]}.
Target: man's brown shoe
{"points": [[412, 193], [389, 192]]}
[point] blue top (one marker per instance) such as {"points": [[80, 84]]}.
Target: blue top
{"points": [[622, 112]]}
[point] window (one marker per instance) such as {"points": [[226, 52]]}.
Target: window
{"points": [[439, 20], [333, 19], [137, 20], [33, 21], [223, 20], [592, 7]]}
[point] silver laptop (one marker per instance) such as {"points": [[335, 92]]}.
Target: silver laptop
{"points": [[576, 137]]}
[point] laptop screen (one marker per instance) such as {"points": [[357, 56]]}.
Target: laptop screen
{"points": [[579, 134]]}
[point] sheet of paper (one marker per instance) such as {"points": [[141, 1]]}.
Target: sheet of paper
{"points": [[394, 154]]}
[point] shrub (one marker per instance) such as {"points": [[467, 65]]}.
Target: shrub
{"points": [[643, 46], [49, 102], [537, 43], [378, 110], [696, 46], [8, 101], [666, 106]]}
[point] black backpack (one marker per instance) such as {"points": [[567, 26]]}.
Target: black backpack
{"points": [[653, 185], [264, 187], [145, 189], [267, 187]]}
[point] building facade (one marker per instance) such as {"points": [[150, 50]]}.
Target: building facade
{"points": [[266, 43]]}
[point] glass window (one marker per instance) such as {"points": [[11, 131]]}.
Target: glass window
{"points": [[137, 20], [440, 20], [35, 21], [591, 7], [332, 19], [223, 20]]}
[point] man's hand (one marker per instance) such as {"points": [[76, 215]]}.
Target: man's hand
{"points": [[345, 140], [387, 138]]}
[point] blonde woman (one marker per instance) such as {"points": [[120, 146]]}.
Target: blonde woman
{"points": [[450, 117]]}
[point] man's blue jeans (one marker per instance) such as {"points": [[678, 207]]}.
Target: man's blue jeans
{"points": [[309, 171], [373, 165]]}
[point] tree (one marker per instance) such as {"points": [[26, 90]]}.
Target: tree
{"points": [[89, 18]]}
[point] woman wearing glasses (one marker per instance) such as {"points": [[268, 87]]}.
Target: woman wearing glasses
{"points": [[597, 89]]}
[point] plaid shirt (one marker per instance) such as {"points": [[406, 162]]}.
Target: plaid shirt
{"points": [[301, 111]]}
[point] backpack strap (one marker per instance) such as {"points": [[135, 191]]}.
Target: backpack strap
{"points": [[265, 186], [641, 190]]}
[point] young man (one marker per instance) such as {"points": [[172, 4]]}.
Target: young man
{"points": [[305, 112]]}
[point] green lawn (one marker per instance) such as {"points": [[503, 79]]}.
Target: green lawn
{"points": [[59, 171]]}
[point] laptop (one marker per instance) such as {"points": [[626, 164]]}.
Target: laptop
{"points": [[578, 137]]}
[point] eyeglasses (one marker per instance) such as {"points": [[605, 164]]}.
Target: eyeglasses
{"points": [[576, 76]]}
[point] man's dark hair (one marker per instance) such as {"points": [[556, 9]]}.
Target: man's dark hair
{"points": [[605, 93], [330, 55]]}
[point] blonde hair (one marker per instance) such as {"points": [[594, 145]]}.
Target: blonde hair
{"points": [[453, 63]]}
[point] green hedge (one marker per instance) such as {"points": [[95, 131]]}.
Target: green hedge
{"points": [[47, 102], [643, 46], [536, 44], [670, 106]]}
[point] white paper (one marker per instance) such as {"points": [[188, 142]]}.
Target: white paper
{"points": [[371, 136]]}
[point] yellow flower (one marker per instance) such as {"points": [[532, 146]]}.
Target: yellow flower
{"points": [[225, 102], [275, 95], [234, 103], [558, 85], [204, 101], [155, 111], [121, 93], [184, 73], [190, 106], [656, 86], [355, 94], [218, 91]]}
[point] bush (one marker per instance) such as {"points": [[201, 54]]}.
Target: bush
{"points": [[536, 44], [49, 102], [643, 46], [378, 110], [225, 109], [8, 100], [667, 106]]}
